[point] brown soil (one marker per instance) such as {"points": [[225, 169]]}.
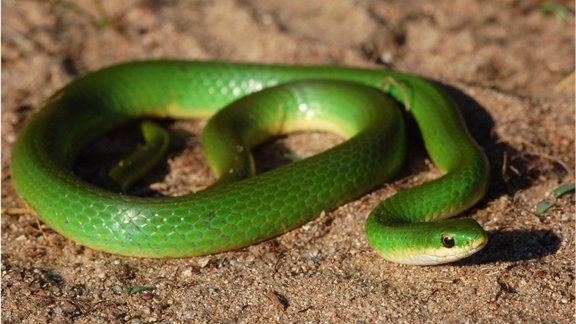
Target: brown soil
{"points": [[508, 63]]}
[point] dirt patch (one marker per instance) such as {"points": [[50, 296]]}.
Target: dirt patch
{"points": [[509, 64]]}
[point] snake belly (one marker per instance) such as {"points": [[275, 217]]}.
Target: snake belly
{"points": [[263, 101]]}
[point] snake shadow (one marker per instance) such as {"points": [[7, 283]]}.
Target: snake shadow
{"points": [[99, 157], [509, 171], [515, 245]]}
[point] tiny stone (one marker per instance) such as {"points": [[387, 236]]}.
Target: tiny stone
{"points": [[202, 262], [117, 289], [68, 307], [147, 295], [55, 290]]}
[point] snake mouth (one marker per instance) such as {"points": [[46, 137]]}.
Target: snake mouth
{"points": [[443, 256], [437, 256], [471, 251], [465, 252]]}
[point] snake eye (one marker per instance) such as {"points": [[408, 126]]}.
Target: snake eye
{"points": [[447, 241]]}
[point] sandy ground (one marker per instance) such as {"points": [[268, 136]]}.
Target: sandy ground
{"points": [[508, 63]]}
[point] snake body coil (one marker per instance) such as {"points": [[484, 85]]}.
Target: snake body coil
{"points": [[239, 211]]}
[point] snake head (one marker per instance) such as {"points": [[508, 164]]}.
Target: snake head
{"points": [[428, 243], [452, 240]]}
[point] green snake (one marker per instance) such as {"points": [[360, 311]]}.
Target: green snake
{"points": [[261, 101]]}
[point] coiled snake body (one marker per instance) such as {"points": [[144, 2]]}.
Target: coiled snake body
{"points": [[264, 101]]}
